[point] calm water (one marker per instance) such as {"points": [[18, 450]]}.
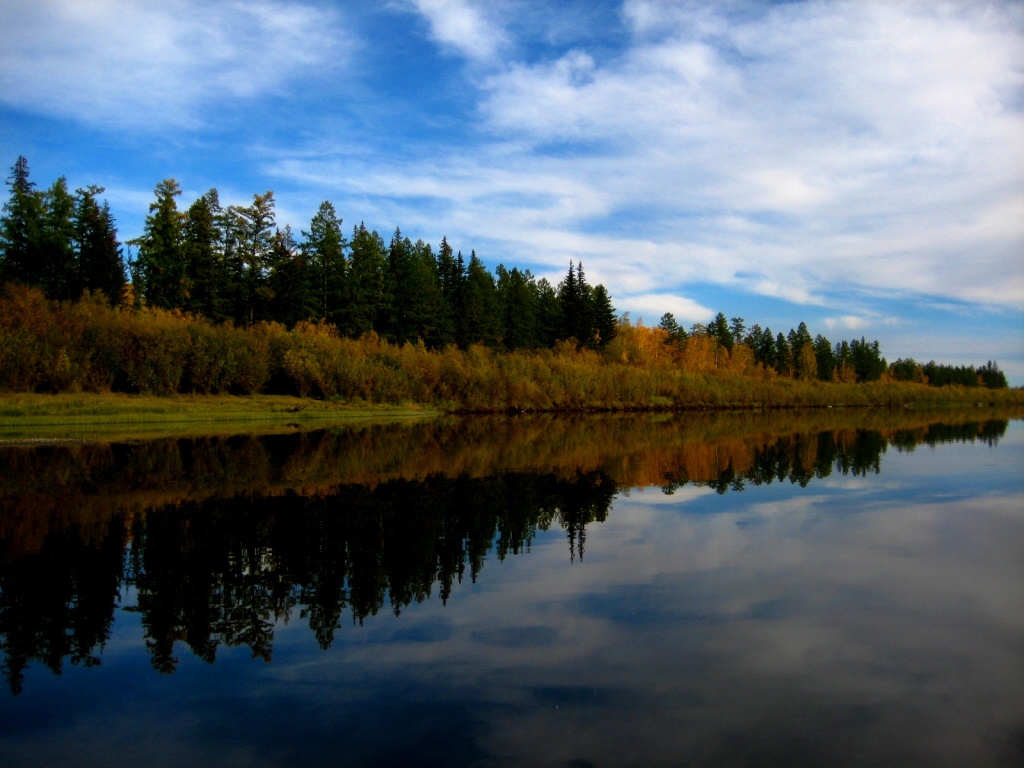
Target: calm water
{"points": [[835, 590]]}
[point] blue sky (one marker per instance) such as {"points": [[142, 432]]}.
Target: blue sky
{"points": [[858, 166]]}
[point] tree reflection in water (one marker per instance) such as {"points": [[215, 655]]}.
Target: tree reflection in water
{"points": [[218, 540]]}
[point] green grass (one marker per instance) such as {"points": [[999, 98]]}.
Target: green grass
{"points": [[112, 416]]}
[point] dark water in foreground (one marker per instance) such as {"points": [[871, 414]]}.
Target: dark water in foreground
{"points": [[835, 590]]}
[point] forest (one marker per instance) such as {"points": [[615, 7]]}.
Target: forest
{"points": [[215, 299]]}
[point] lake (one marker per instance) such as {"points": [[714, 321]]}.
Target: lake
{"points": [[836, 588]]}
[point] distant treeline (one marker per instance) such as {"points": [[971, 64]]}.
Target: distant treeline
{"points": [[229, 279]]}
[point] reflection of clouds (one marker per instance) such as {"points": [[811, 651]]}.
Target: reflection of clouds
{"points": [[780, 625], [657, 497], [888, 635]]}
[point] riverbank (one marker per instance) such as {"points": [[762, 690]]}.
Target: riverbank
{"points": [[28, 417]]}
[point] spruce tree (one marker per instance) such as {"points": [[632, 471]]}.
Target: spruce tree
{"points": [[58, 238], [160, 262], [206, 276], [324, 249], [100, 263], [605, 324], [20, 229]]}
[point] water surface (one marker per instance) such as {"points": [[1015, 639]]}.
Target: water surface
{"points": [[837, 589]]}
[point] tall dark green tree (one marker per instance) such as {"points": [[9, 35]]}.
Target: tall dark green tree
{"points": [[365, 282], [450, 276], [100, 263], [21, 229], [480, 317], [324, 249], [252, 231], [288, 295], [783, 356], [549, 314], [826, 358], [605, 321], [206, 274], [576, 304], [518, 299], [58, 243], [719, 330], [160, 263]]}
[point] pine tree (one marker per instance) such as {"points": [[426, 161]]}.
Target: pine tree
{"points": [[58, 240], [21, 229], [160, 261], [480, 317], [206, 276], [605, 323], [365, 282], [518, 302], [100, 263], [252, 229], [450, 277], [288, 295], [324, 249]]}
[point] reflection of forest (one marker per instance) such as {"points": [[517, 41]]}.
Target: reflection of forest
{"points": [[220, 538]]}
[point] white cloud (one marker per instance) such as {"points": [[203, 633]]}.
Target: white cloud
{"points": [[463, 26], [156, 64], [876, 145]]}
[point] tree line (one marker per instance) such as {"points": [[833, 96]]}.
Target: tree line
{"points": [[234, 265]]}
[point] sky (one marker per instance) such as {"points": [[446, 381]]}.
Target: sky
{"points": [[858, 166]]}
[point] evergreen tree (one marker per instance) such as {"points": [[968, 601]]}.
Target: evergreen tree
{"points": [[675, 333], [783, 356], [288, 295], [324, 250], [826, 358], [100, 263], [480, 321], [160, 262], [576, 304], [21, 229], [518, 300], [450, 277], [605, 323], [252, 230], [365, 304], [58, 240], [550, 321], [206, 275], [718, 330]]}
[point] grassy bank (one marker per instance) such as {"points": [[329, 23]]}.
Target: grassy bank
{"points": [[114, 415]]}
